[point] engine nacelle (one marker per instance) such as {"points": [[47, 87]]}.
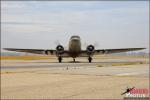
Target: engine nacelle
{"points": [[90, 49], [60, 49], [47, 52]]}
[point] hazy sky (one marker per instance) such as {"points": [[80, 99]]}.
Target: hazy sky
{"points": [[109, 24]]}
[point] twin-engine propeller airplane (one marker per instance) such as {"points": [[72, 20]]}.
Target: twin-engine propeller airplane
{"points": [[74, 50]]}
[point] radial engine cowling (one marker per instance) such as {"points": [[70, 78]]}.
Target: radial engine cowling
{"points": [[60, 49], [90, 49]]}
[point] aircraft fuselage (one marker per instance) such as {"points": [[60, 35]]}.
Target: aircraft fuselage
{"points": [[74, 46]]}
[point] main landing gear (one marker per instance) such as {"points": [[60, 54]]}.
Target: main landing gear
{"points": [[74, 59], [90, 59], [60, 59]]}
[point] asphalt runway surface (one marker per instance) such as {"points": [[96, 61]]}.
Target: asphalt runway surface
{"points": [[81, 80], [63, 64]]}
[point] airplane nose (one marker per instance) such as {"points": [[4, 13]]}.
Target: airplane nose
{"points": [[75, 39]]}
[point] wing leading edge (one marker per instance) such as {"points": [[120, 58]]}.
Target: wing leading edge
{"points": [[66, 53], [109, 51], [37, 51]]}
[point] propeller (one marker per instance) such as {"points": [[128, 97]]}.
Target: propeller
{"points": [[57, 42], [95, 44]]}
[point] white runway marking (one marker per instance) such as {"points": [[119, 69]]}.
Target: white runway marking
{"points": [[126, 74]]}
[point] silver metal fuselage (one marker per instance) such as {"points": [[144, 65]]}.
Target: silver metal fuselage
{"points": [[74, 46]]}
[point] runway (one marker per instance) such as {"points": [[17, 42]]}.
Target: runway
{"points": [[105, 68], [44, 79], [40, 64]]}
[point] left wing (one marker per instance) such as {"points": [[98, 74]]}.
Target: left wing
{"points": [[38, 51], [109, 51]]}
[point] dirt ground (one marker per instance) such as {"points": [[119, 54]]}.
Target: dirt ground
{"points": [[41, 79]]}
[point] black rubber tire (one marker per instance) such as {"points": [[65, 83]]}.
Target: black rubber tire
{"points": [[90, 59], [74, 59], [60, 59]]}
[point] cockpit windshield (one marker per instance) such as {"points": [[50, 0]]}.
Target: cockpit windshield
{"points": [[75, 37]]}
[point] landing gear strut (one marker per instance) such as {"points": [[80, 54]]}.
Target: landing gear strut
{"points": [[59, 59], [74, 59], [90, 59]]}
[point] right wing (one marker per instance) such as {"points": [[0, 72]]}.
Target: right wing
{"points": [[108, 51], [38, 51]]}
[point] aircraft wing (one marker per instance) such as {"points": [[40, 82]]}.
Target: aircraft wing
{"points": [[38, 51], [109, 51]]}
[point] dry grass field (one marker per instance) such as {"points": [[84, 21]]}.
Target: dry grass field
{"points": [[42, 77], [45, 57], [27, 57]]}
